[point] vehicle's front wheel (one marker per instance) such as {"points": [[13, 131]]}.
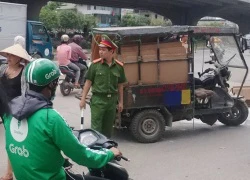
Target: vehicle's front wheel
{"points": [[236, 116], [148, 126]]}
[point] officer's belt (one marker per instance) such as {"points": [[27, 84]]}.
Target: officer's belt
{"points": [[109, 95]]}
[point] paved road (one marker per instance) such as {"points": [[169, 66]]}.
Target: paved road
{"points": [[185, 153]]}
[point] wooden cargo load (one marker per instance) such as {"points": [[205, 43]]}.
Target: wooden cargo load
{"points": [[152, 63]]}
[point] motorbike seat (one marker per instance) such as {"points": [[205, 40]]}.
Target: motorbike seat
{"points": [[203, 93], [67, 71]]}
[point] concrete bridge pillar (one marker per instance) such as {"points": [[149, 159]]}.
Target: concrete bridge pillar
{"points": [[244, 25], [33, 8], [182, 15]]}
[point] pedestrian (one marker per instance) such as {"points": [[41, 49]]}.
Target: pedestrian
{"points": [[36, 133], [63, 55], [106, 77], [78, 54], [12, 79]]}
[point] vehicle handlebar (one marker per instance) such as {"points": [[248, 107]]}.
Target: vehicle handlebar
{"points": [[206, 71], [118, 158]]}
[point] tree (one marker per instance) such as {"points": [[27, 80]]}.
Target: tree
{"points": [[49, 17], [85, 22], [68, 19], [53, 5], [211, 23], [55, 18], [135, 20], [160, 22]]}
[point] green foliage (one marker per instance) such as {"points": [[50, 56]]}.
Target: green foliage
{"points": [[135, 20], [55, 18], [53, 5], [49, 18], [160, 22], [85, 21], [140, 20], [215, 24], [68, 19]]}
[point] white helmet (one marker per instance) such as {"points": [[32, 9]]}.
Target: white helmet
{"points": [[64, 38], [20, 40]]}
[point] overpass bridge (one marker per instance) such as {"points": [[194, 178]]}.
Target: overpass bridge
{"points": [[180, 12]]}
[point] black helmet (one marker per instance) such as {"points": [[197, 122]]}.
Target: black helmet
{"points": [[77, 38]]}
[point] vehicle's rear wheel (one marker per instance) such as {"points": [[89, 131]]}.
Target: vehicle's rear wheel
{"points": [[65, 88], [237, 116], [148, 126]]}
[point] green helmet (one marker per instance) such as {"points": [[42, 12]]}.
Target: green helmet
{"points": [[41, 72]]}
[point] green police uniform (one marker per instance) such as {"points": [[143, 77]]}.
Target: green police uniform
{"points": [[105, 80]]}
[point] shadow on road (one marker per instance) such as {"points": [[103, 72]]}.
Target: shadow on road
{"points": [[183, 131]]}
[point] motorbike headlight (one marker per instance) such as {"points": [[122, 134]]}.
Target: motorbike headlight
{"points": [[87, 138]]}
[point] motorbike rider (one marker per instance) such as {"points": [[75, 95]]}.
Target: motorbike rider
{"points": [[36, 133], [76, 54], [63, 55]]}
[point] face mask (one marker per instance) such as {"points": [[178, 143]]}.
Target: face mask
{"points": [[53, 94], [53, 91]]}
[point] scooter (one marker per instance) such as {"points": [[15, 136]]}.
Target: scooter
{"points": [[67, 84], [95, 140]]}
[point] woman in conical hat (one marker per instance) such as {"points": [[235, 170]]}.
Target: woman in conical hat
{"points": [[11, 73], [12, 80]]}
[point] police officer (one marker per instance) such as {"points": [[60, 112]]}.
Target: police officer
{"points": [[106, 76]]}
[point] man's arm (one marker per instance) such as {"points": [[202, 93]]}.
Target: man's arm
{"points": [[69, 54], [90, 76], [120, 91], [82, 54], [121, 82], [69, 144], [85, 91]]}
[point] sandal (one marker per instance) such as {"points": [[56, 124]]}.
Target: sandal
{"points": [[77, 86]]}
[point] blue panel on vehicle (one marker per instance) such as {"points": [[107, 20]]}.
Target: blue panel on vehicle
{"points": [[172, 98]]}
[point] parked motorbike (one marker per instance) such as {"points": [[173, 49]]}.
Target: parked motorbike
{"points": [[95, 140], [214, 84], [67, 84], [212, 77]]}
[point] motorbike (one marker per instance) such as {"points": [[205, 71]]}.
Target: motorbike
{"points": [[95, 140], [211, 89], [212, 77], [67, 84]]}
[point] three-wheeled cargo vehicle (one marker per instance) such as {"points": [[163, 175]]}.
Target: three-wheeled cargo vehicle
{"points": [[163, 87]]}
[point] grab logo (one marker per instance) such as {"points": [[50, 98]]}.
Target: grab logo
{"points": [[19, 129], [51, 74], [21, 151]]}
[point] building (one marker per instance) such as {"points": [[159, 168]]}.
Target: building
{"points": [[126, 12], [149, 14], [105, 16]]}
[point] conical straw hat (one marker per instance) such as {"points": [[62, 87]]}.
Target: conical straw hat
{"points": [[16, 50]]}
